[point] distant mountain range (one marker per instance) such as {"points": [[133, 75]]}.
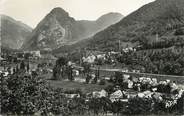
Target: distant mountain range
{"points": [[61, 33], [58, 29], [13, 33], [161, 18]]}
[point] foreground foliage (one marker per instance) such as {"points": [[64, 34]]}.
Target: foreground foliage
{"points": [[30, 94]]}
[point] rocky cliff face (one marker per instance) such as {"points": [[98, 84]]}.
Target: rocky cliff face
{"points": [[52, 31], [58, 29], [13, 33]]}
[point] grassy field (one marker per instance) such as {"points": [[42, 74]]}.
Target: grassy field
{"points": [[77, 85]]}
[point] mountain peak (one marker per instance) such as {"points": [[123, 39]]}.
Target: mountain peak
{"points": [[110, 15], [109, 18], [6, 17], [10, 19], [13, 33], [59, 11]]}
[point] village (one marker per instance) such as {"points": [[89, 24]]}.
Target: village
{"points": [[98, 76]]}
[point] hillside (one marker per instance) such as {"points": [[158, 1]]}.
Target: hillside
{"points": [[58, 29], [92, 27], [13, 33], [161, 17]]}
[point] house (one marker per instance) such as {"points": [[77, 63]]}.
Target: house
{"points": [[36, 53]]}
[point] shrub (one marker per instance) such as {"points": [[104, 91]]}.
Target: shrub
{"points": [[139, 106], [102, 82]]}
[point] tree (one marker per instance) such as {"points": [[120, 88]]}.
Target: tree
{"points": [[173, 68], [118, 78], [179, 31], [143, 40], [59, 68], [177, 68], [27, 66], [86, 67], [69, 71], [22, 65], [62, 61]]}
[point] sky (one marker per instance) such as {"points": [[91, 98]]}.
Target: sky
{"points": [[31, 12]]}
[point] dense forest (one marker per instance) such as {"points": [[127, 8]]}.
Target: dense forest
{"points": [[164, 62]]}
